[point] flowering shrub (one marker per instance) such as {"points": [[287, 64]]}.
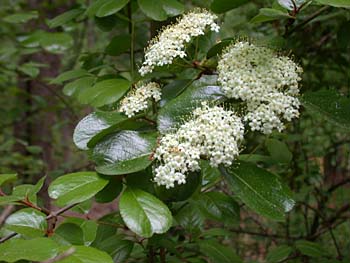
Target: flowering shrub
{"points": [[185, 138]]}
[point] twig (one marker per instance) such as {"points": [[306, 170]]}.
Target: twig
{"points": [[307, 20], [5, 213], [59, 257], [8, 237], [60, 211], [50, 216]]}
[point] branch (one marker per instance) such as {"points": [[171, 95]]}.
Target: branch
{"points": [[59, 257], [52, 215], [308, 19]]}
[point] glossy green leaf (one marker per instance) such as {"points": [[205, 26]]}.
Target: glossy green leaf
{"points": [[291, 4], [210, 175], [70, 233], [279, 151], [7, 178], [173, 89], [152, 9], [173, 7], [174, 112], [94, 7], [190, 218], [104, 92], [65, 17], [218, 253], [106, 23], [69, 75], [94, 124], [219, 206], [56, 42], [37, 249], [21, 17], [76, 187], [222, 6], [28, 222], [117, 247], [143, 213], [89, 228], [108, 227], [259, 189], [75, 87], [124, 152], [84, 254], [279, 253], [270, 14], [110, 191], [336, 3], [180, 192], [310, 249], [332, 105], [118, 45], [219, 47], [111, 7]]}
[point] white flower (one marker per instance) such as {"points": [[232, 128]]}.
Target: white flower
{"points": [[138, 98], [170, 43], [213, 132], [267, 82]]}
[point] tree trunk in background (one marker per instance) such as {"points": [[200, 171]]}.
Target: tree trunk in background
{"points": [[37, 122]]}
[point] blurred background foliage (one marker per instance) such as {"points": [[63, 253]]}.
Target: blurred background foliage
{"points": [[39, 110]]}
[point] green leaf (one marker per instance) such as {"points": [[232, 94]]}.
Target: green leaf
{"points": [[270, 14], [174, 112], [111, 7], [75, 87], [94, 7], [38, 249], [93, 124], [117, 247], [70, 233], [21, 17], [88, 227], [279, 151], [143, 213], [64, 18], [56, 43], [331, 104], [69, 75], [222, 6], [110, 191], [279, 253], [210, 175], [28, 222], [7, 178], [219, 47], [152, 9], [190, 217], [259, 189], [84, 254], [106, 23], [104, 92], [310, 249], [124, 152], [336, 3], [173, 7], [29, 69], [291, 4], [219, 206], [118, 45], [173, 89], [218, 253], [180, 192], [76, 187]]}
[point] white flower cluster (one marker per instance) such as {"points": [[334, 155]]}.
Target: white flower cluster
{"points": [[171, 42], [213, 132], [138, 99], [267, 82]]}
